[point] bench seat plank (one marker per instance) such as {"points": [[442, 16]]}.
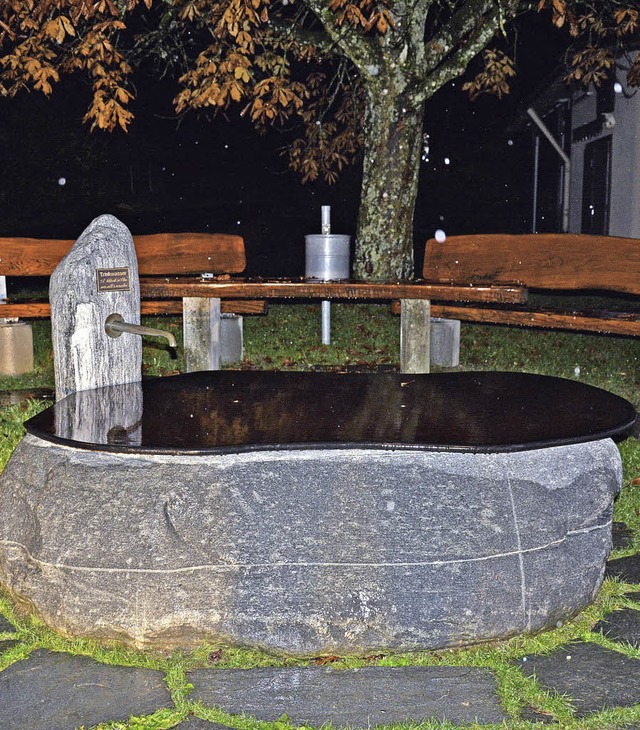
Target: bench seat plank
{"points": [[606, 323], [41, 309], [300, 289]]}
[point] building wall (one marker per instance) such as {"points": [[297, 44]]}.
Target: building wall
{"points": [[625, 178], [624, 211]]}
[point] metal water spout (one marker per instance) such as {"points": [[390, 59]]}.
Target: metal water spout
{"points": [[115, 325]]}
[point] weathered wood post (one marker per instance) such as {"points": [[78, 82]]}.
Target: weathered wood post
{"points": [[98, 277]]}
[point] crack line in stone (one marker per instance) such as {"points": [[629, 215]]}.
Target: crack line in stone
{"points": [[592, 528], [236, 566], [523, 580]]}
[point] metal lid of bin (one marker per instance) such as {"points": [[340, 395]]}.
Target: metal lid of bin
{"points": [[237, 411]]}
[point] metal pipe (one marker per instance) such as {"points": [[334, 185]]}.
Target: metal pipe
{"points": [[536, 165], [326, 322], [567, 166], [115, 325]]}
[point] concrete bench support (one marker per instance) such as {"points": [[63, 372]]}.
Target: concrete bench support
{"points": [[201, 322], [415, 338]]}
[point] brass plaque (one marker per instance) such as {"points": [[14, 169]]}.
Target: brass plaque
{"points": [[113, 279]]}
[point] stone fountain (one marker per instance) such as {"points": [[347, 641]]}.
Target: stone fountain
{"points": [[301, 513]]}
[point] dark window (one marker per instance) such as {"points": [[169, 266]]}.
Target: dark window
{"points": [[595, 186], [605, 97]]}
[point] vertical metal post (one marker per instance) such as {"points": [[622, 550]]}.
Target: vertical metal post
{"points": [[536, 163], [566, 188], [326, 322]]}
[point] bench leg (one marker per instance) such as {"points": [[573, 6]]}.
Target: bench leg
{"points": [[201, 323], [231, 338], [415, 335]]}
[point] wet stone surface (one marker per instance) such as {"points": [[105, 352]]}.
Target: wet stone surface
{"points": [[626, 569], [51, 691], [591, 677], [621, 536], [358, 698], [623, 626]]}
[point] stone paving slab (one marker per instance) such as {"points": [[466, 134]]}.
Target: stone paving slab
{"points": [[359, 698], [626, 569], [5, 626], [592, 677], [623, 625], [197, 723], [532, 715], [621, 536], [52, 691]]}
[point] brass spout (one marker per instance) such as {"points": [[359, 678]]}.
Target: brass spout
{"points": [[115, 325]]}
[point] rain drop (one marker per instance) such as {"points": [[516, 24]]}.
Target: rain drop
{"points": [[440, 236]]}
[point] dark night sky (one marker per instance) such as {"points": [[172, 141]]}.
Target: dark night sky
{"points": [[218, 175]]}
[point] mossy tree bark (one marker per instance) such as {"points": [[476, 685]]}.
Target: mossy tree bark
{"points": [[400, 70], [393, 142]]}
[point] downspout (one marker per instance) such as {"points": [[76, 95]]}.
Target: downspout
{"points": [[566, 182], [536, 165]]}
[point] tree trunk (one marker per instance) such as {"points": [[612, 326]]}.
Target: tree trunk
{"points": [[393, 144]]}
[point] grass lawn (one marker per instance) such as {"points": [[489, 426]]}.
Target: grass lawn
{"points": [[366, 335]]}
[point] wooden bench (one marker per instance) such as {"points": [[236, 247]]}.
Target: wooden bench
{"points": [[202, 300], [546, 263], [161, 254]]}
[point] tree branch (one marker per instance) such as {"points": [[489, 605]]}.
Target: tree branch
{"points": [[355, 45], [467, 34]]}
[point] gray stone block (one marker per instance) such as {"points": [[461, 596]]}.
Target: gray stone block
{"points": [[621, 535], [50, 691], [307, 552], [358, 698], [5, 626], [626, 569], [623, 626], [591, 677], [231, 338], [16, 347], [445, 342]]}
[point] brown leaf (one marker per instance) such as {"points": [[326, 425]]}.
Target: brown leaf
{"points": [[635, 482], [215, 656], [322, 660]]}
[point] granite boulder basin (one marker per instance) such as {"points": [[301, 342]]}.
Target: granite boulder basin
{"points": [[314, 514]]}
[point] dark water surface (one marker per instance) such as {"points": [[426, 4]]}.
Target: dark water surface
{"points": [[231, 411]]}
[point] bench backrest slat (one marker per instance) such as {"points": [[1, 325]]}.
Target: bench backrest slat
{"points": [[158, 254], [537, 261]]}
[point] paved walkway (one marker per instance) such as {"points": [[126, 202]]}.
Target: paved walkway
{"points": [[55, 691]]}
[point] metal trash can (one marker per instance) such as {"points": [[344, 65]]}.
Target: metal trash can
{"points": [[327, 256]]}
